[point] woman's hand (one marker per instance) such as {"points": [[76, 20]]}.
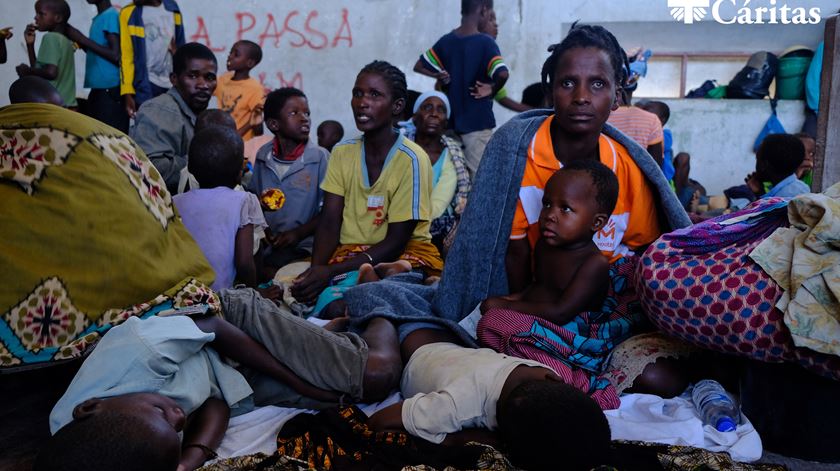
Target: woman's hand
{"points": [[310, 283]]}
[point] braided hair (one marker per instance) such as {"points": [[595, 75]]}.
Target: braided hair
{"points": [[586, 36], [392, 75]]}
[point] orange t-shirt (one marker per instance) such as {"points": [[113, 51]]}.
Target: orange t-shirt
{"points": [[632, 224], [239, 98]]}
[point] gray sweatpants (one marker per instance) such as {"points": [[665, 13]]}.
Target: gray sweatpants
{"points": [[334, 361]]}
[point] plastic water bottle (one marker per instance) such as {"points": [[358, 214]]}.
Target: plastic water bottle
{"points": [[716, 406]]}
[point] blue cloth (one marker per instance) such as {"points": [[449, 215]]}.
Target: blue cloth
{"points": [[812, 78], [335, 291], [99, 72], [788, 188], [437, 168], [475, 266], [467, 59], [668, 155]]}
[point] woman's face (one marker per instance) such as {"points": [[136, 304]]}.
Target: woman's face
{"points": [[584, 90], [431, 117], [373, 102]]}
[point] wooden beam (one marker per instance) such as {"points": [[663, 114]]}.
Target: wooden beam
{"points": [[827, 158]]}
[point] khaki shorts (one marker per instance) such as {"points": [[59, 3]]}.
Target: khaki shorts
{"points": [[334, 361], [474, 144]]}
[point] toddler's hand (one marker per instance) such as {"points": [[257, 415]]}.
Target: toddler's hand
{"points": [[29, 34]]}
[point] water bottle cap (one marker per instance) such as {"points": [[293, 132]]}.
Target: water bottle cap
{"points": [[725, 424]]}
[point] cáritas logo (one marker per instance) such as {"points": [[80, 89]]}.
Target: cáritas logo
{"points": [[743, 12]]}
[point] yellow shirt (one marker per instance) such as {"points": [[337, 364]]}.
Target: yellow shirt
{"points": [[402, 192], [239, 98]]}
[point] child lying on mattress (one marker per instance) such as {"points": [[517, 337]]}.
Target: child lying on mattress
{"points": [[149, 381], [455, 395]]}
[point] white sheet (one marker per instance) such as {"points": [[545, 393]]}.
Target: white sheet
{"points": [[675, 422]]}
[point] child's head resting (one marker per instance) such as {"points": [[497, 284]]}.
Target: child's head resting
{"points": [[583, 75], [51, 13], [215, 157], [286, 113], [32, 89], [379, 96], [778, 156], [330, 133], [660, 109], [133, 432], [244, 55], [577, 202], [547, 423], [214, 117]]}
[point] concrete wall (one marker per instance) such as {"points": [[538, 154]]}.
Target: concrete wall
{"points": [[719, 135], [319, 46]]}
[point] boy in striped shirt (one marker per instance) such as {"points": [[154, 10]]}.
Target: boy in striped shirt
{"points": [[459, 60]]}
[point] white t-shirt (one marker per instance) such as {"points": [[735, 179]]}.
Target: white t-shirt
{"points": [[450, 388], [159, 25]]}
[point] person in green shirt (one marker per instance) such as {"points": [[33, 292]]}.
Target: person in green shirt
{"points": [[54, 61]]}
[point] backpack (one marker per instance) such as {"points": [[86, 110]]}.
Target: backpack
{"points": [[753, 81]]}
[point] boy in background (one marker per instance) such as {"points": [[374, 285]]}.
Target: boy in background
{"points": [[776, 162], [460, 60], [330, 133], [240, 94], [102, 65], [54, 61], [150, 32], [296, 167]]}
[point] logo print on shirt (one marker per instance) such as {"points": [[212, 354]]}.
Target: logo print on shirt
{"points": [[377, 204]]}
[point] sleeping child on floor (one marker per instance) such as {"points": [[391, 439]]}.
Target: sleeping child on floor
{"points": [[455, 395], [156, 395]]}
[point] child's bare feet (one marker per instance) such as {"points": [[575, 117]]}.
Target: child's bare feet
{"points": [[367, 274], [339, 324], [384, 270]]}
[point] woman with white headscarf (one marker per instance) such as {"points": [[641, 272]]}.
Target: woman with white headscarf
{"points": [[450, 183]]}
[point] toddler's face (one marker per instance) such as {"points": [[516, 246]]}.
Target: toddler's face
{"points": [[568, 215]]}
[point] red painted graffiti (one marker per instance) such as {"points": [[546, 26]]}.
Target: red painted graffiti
{"points": [[296, 80], [296, 31]]}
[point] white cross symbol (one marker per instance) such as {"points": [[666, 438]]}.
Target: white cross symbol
{"points": [[688, 10]]}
